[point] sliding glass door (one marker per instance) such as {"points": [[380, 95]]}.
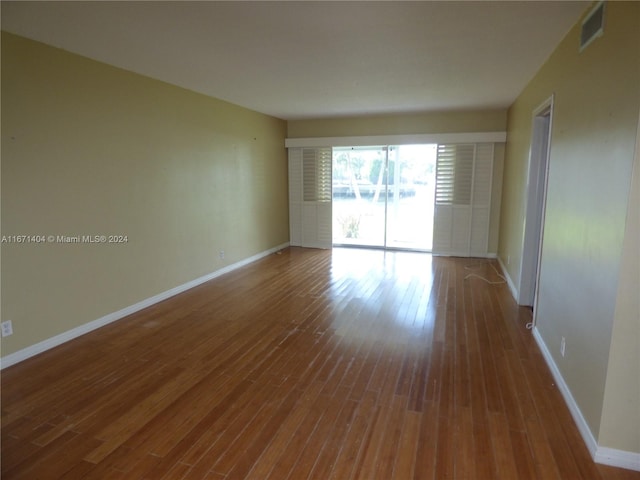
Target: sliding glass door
{"points": [[383, 196], [358, 197], [410, 195]]}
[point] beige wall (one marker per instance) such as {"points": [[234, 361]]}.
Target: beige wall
{"points": [[433, 122], [620, 425], [91, 149], [597, 100]]}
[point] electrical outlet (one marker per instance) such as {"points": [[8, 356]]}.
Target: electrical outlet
{"points": [[563, 345], [221, 254], [508, 259], [7, 328]]}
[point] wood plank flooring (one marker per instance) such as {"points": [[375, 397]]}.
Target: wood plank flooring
{"points": [[343, 364]]}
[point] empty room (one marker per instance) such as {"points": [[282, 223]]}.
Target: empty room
{"points": [[320, 240]]}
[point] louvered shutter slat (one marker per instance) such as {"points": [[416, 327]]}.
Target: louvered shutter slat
{"points": [[323, 171], [309, 174]]}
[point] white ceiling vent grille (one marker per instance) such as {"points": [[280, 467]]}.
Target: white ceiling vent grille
{"points": [[592, 26]]}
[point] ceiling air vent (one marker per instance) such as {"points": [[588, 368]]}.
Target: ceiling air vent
{"points": [[592, 26]]}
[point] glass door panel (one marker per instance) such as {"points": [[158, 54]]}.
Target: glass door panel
{"points": [[410, 196], [358, 196]]}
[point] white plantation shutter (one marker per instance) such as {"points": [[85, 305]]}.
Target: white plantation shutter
{"points": [[463, 199], [295, 196], [481, 201], [310, 197]]}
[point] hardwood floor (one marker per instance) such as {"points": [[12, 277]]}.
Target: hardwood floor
{"points": [[307, 364]]}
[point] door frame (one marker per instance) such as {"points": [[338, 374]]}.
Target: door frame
{"points": [[537, 180]]}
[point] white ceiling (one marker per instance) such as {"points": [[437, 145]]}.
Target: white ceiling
{"points": [[309, 59]]}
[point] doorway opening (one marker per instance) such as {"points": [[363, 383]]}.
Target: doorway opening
{"points": [[383, 196], [535, 208]]}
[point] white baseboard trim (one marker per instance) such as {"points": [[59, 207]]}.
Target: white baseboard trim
{"points": [[581, 423], [618, 458], [52, 342], [505, 273], [604, 455]]}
